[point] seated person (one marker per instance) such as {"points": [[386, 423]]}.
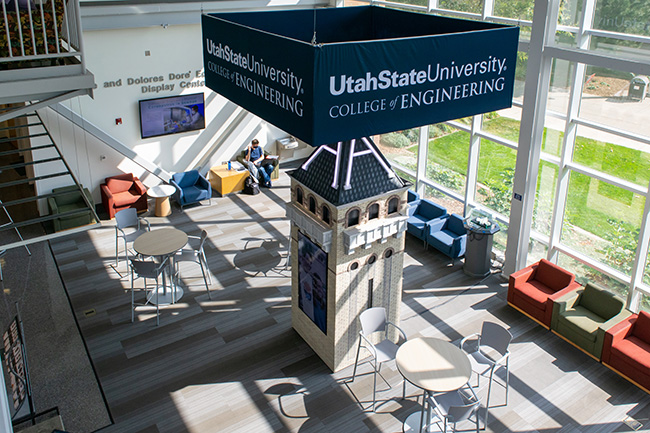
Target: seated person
{"points": [[256, 164]]}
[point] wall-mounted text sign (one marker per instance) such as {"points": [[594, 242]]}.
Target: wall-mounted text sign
{"points": [[327, 75], [167, 82]]}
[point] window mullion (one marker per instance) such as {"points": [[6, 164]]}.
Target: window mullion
{"points": [[536, 90], [472, 163], [423, 150], [634, 296]]}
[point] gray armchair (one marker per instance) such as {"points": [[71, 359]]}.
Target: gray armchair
{"points": [[70, 204]]}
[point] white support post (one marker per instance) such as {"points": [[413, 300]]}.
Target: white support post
{"points": [[488, 9], [472, 163], [423, 151], [634, 295], [538, 75]]}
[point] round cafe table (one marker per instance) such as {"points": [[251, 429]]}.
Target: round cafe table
{"points": [[162, 193], [433, 365], [162, 243]]}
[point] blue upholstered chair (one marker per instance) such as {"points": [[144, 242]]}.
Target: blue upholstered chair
{"points": [[191, 187], [412, 198], [421, 214], [448, 236]]}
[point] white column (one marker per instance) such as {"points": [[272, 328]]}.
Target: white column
{"points": [[472, 163], [530, 135], [634, 295], [423, 150], [488, 9]]}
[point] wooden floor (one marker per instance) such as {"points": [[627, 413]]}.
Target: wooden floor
{"points": [[233, 363]]}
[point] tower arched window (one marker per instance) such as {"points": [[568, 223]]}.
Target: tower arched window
{"points": [[393, 205], [373, 211], [312, 205], [299, 195], [325, 214], [353, 217]]}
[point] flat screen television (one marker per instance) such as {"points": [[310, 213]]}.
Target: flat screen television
{"points": [[172, 115], [312, 281]]}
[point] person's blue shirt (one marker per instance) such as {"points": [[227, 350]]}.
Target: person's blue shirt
{"points": [[256, 153]]}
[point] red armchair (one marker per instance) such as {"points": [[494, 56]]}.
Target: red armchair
{"points": [[122, 192], [626, 349], [532, 290]]}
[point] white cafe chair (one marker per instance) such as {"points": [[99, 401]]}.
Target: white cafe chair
{"points": [[146, 269], [196, 255], [489, 355], [128, 226], [374, 320]]}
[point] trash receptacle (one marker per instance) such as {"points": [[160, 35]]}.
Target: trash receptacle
{"points": [[638, 88], [478, 252]]}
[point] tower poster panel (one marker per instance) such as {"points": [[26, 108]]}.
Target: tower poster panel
{"points": [[312, 281]]}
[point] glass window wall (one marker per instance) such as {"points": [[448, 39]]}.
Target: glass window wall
{"points": [[447, 157], [471, 6], [606, 100], [602, 221], [400, 147], [496, 171], [604, 184]]}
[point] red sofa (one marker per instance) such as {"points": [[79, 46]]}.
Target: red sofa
{"points": [[532, 290], [122, 192], [626, 349]]}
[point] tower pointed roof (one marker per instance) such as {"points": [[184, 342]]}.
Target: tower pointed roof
{"points": [[348, 171]]}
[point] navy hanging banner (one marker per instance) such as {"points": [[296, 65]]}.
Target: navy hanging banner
{"points": [[328, 75]]}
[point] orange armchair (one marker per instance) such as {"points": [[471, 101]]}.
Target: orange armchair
{"points": [[122, 192], [532, 290], [626, 349]]}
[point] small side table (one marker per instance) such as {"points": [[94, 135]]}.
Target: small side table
{"points": [[162, 193], [226, 181]]}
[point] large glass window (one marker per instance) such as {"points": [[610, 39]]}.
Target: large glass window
{"points": [[503, 123], [628, 163], [606, 100], [447, 156], [400, 147], [496, 171], [630, 17], [536, 251], [585, 274], [646, 274], [561, 81], [449, 203], [517, 9], [602, 221], [553, 136], [545, 197], [472, 6]]}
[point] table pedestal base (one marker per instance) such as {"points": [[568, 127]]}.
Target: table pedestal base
{"points": [[163, 207], [412, 424], [165, 295]]}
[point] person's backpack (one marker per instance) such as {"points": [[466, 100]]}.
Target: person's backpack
{"points": [[250, 186]]}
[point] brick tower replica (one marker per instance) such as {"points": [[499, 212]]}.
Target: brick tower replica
{"points": [[348, 219]]}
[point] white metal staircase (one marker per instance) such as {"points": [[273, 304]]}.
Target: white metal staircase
{"points": [[29, 155]]}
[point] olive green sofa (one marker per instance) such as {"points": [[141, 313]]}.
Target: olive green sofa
{"points": [[583, 316]]}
